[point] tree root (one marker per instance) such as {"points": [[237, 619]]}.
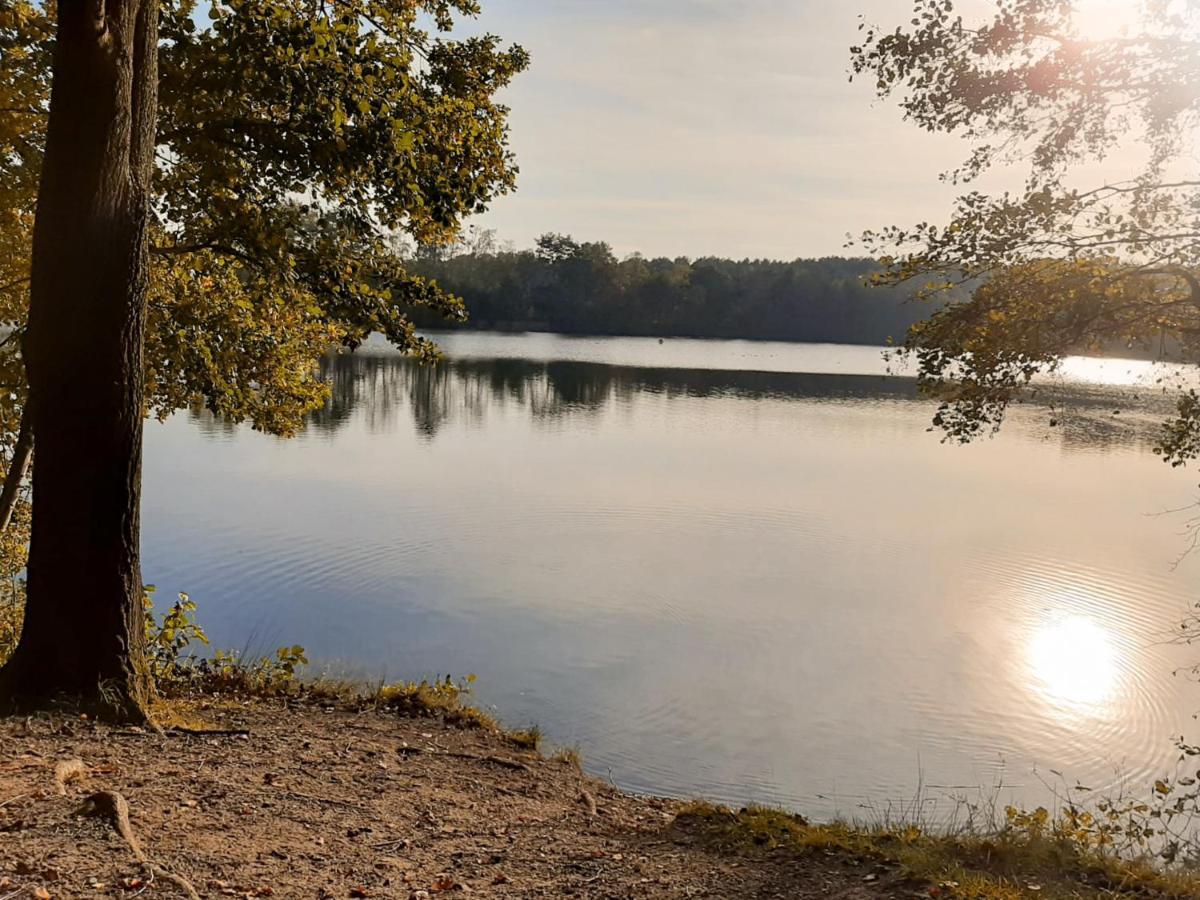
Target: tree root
{"points": [[180, 731], [586, 796], [115, 808], [209, 732]]}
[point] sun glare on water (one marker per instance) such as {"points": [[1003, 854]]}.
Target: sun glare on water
{"points": [[1074, 662]]}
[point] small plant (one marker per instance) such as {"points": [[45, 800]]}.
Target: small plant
{"points": [[166, 640], [526, 738], [1163, 825], [228, 670]]}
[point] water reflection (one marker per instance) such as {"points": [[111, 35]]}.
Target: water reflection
{"points": [[382, 386], [749, 585], [1074, 662]]}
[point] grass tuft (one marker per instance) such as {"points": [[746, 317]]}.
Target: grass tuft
{"points": [[568, 756]]}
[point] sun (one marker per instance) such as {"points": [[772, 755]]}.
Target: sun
{"points": [[1074, 661], [1102, 19]]}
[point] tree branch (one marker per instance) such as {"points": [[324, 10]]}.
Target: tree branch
{"points": [[17, 468], [180, 249]]}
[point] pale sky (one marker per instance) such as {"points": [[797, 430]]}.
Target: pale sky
{"points": [[696, 127], [722, 127]]}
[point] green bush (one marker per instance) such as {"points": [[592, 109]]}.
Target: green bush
{"points": [[167, 643]]}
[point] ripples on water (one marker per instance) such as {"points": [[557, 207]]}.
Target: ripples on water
{"points": [[724, 568]]}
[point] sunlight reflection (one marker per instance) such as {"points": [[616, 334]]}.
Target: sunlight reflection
{"points": [[1075, 661], [1113, 371]]}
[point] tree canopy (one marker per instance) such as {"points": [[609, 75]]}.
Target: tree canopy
{"points": [[296, 140], [1067, 261]]}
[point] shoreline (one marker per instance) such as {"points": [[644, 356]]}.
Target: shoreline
{"points": [[310, 793]]}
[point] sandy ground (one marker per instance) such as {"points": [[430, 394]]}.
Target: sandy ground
{"points": [[323, 803]]}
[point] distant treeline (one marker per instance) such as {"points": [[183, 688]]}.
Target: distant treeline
{"points": [[582, 288]]}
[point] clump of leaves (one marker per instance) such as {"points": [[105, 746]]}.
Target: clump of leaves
{"points": [[13, 546], [12, 615]]}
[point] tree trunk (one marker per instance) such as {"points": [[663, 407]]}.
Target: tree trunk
{"points": [[84, 635]]}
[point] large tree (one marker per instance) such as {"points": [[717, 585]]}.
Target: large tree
{"points": [[1069, 260], [206, 250]]}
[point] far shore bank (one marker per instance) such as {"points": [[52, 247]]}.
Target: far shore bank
{"points": [[1170, 356]]}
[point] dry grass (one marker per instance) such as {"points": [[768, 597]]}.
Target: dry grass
{"points": [[1003, 865], [568, 756]]}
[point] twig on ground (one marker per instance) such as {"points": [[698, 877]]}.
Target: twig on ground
{"points": [[494, 760], [391, 845], [331, 801]]}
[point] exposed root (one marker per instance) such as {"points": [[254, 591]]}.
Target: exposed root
{"points": [[181, 731], [68, 770], [586, 796], [494, 760], [115, 808], [209, 732]]}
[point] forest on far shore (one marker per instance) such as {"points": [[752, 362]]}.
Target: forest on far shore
{"points": [[563, 285]]}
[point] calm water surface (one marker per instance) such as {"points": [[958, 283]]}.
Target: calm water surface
{"points": [[741, 570]]}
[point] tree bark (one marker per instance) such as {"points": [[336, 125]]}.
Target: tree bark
{"points": [[84, 634]]}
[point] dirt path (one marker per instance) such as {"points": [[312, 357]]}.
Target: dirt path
{"points": [[316, 803]]}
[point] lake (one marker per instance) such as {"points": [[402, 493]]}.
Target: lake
{"points": [[740, 570]]}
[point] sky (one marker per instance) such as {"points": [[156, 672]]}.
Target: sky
{"points": [[711, 127], [707, 127]]}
